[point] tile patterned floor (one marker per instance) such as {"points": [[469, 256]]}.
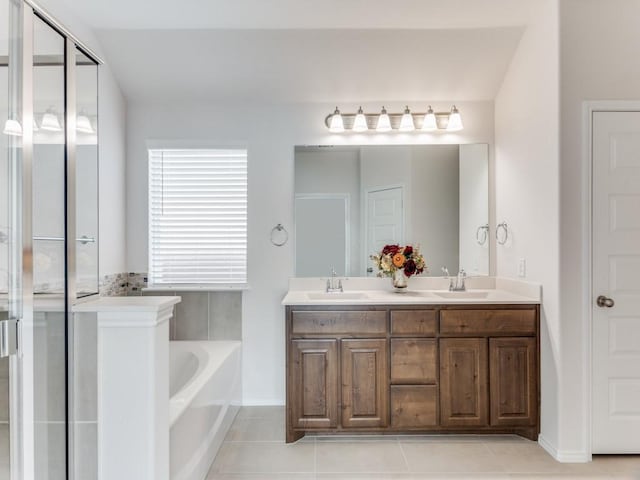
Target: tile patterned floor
{"points": [[255, 450]]}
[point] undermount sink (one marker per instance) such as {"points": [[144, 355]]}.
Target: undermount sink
{"points": [[462, 294], [337, 296]]}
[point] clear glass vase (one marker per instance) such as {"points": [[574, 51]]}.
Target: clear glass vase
{"points": [[399, 280]]}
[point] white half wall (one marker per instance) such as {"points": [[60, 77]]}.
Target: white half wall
{"points": [[594, 67], [269, 132], [527, 191]]}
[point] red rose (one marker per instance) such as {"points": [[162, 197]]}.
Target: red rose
{"points": [[410, 268], [390, 249], [408, 250]]}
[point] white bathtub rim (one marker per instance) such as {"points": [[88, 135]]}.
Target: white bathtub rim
{"points": [[215, 353]]}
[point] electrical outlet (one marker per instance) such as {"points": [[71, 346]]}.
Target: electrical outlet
{"points": [[522, 267]]}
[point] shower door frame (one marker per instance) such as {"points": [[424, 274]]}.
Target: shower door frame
{"points": [[22, 435]]}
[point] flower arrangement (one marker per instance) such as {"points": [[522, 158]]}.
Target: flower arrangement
{"points": [[395, 258]]}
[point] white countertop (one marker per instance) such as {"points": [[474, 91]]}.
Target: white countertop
{"points": [[127, 304], [427, 290]]}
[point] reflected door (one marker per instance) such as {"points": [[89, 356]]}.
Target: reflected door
{"points": [[385, 221]]}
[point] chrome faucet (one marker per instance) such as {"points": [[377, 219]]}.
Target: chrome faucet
{"points": [[456, 284], [332, 286]]}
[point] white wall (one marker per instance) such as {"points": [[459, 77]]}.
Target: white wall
{"points": [[112, 117], [599, 42], [527, 195], [270, 133]]}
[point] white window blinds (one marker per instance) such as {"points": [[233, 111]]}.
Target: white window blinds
{"points": [[197, 217]]}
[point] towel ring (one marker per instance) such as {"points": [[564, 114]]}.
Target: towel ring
{"points": [[482, 234], [279, 235], [505, 228]]}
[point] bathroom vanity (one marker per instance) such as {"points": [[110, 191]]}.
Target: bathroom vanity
{"points": [[426, 361]]}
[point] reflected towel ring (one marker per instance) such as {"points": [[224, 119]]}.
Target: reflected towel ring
{"points": [[505, 228], [482, 234], [279, 235]]}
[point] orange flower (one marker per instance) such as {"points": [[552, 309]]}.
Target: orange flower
{"points": [[398, 260]]}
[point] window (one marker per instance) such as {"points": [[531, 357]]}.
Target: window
{"points": [[197, 217]]}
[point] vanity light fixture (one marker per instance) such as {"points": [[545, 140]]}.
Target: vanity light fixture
{"points": [[83, 124], [50, 121], [384, 122], [12, 128], [429, 124], [455, 120], [336, 125], [360, 122], [407, 121]]}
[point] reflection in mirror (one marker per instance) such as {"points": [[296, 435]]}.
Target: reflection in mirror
{"points": [[350, 201]]}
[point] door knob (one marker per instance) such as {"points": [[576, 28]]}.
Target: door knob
{"points": [[603, 301]]}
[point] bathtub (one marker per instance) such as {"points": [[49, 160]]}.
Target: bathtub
{"points": [[205, 390]]}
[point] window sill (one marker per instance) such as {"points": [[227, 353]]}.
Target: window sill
{"points": [[223, 287]]}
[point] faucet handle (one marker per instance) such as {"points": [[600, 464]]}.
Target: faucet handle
{"points": [[445, 270]]}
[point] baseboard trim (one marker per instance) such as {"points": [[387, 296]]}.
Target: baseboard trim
{"points": [[575, 456]]}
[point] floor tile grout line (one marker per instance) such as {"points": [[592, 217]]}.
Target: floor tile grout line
{"points": [[494, 457], [404, 456]]}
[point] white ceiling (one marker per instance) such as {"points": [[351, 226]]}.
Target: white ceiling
{"points": [[306, 50], [295, 14], [310, 65]]}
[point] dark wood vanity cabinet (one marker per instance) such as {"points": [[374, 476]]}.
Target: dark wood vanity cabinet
{"points": [[420, 368]]}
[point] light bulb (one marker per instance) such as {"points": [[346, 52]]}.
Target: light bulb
{"points": [[83, 124], [455, 120], [336, 125], [406, 122], [384, 122], [13, 128], [429, 124], [50, 122], [360, 122]]}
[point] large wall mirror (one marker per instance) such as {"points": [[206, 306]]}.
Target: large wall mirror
{"points": [[350, 201]]}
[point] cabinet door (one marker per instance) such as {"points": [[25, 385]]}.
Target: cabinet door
{"points": [[463, 382], [513, 381], [365, 389], [313, 392]]}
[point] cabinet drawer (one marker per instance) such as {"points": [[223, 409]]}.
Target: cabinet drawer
{"points": [[372, 322], [414, 322], [488, 322], [413, 360], [414, 406]]}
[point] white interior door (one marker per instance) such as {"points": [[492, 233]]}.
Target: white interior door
{"points": [[385, 221], [616, 282]]}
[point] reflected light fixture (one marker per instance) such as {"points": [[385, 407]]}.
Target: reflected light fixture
{"points": [[360, 122], [431, 121], [50, 121], [12, 128], [35, 125], [406, 122], [83, 124], [384, 122], [455, 120], [429, 124], [336, 125]]}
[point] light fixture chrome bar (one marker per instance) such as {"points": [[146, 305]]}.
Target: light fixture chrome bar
{"points": [[41, 12], [348, 119]]}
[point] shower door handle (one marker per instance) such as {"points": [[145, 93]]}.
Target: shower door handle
{"points": [[8, 337]]}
